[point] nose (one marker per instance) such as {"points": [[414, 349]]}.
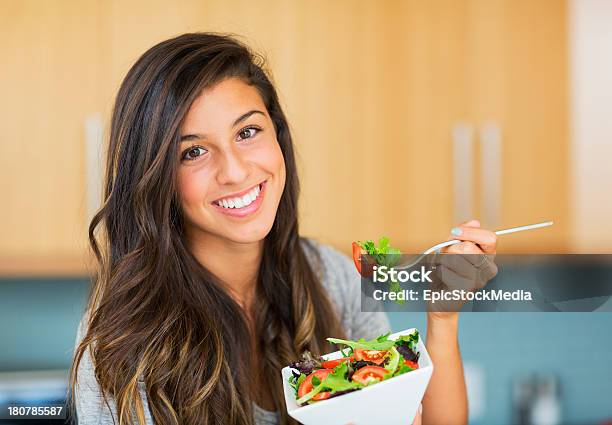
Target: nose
{"points": [[233, 167]]}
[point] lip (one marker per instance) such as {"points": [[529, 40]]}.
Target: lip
{"points": [[239, 194], [244, 211]]}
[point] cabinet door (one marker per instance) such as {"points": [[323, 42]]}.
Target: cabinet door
{"points": [[371, 89], [518, 79], [48, 85]]}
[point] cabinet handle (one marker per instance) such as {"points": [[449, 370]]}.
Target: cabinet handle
{"points": [[462, 134], [490, 174], [93, 163]]}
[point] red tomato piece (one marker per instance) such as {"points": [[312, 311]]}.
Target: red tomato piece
{"points": [[322, 396], [330, 364], [411, 364], [369, 262], [306, 385], [366, 374], [374, 356]]}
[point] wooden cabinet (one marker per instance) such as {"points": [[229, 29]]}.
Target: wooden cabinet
{"points": [[372, 89], [518, 78], [49, 84], [375, 96]]}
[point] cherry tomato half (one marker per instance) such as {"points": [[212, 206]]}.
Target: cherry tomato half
{"points": [[330, 364], [374, 356], [321, 396], [369, 262], [411, 364], [306, 385], [366, 374]]}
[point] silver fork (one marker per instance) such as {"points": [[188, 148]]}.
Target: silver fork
{"points": [[438, 247]]}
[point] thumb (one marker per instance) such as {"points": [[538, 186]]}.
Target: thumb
{"points": [[471, 223]]}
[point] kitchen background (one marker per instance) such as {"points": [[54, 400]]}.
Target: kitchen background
{"points": [[407, 115]]}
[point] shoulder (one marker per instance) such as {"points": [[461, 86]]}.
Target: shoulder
{"points": [[90, 405], [331, 264], [342, 283]]}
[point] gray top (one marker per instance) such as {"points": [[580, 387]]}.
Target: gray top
{"points": [[339, 278]]}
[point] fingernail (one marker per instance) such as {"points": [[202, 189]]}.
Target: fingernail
{"points": [[456, 231]]}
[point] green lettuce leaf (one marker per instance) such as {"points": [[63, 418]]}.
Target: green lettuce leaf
{"points": [[335, 381], [383, 254], [380, 343], [394, 360], [412, 339]]}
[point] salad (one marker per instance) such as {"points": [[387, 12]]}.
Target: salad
{"points": [[366, 255], [383, 255], [363, 363]]}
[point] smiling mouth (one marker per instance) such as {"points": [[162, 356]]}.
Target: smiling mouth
{"points": [[237, 202]]}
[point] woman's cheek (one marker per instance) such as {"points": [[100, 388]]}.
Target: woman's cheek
{"points": [[192, 190], [272, 160]]}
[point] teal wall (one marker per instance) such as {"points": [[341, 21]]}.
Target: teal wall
{"points": [[576, 347], [38, 320]]}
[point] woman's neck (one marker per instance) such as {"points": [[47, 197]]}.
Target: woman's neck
{"points": [[235, 264]]}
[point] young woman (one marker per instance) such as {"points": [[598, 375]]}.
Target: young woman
{"points": [[204, 289]]}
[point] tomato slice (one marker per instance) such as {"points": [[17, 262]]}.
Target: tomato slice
{"points": [[369, 266], [306, 385], [374, 356], [322, 396], [357, 251], [330, 364], [411, 364], [367, 374]]}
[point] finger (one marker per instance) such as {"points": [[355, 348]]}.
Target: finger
{"points": [[471, 223], [452, 280], [485, 239], [483, 265], [487, 273], [472, 253], [464, 248], [468, 261], [459, 264]]}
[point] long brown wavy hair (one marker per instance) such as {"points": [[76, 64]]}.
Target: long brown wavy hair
{"points": [[156, 317]]}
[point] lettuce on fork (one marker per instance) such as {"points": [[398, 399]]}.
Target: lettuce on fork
{"points": [[382, 254]]}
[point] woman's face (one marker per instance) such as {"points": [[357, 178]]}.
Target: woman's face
{"points": [[232, 172]]}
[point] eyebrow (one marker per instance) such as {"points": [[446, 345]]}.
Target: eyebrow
{"points": [[238, 120]]}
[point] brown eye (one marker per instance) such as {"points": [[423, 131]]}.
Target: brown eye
{"points": [[193, 153], [247, 133]]}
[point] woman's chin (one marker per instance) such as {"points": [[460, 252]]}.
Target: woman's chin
{"points": [[246, 233], [247, 237]]}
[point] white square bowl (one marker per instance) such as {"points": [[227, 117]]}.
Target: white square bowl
{"points": [[394, 401]]}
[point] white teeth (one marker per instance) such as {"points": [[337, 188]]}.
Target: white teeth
{"points": [[240, 202]]}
